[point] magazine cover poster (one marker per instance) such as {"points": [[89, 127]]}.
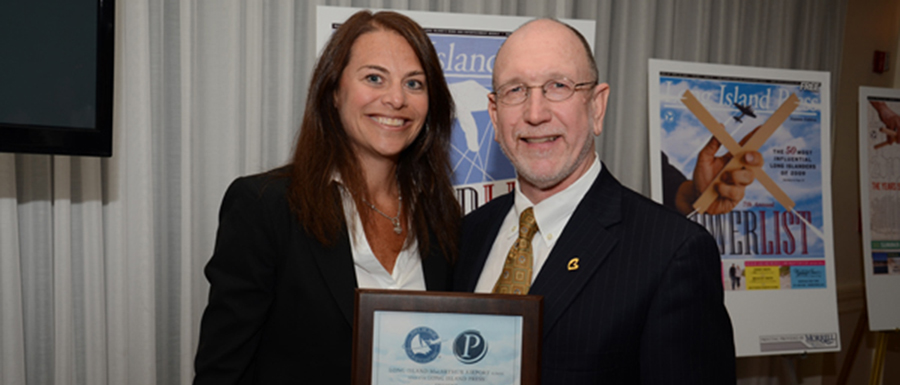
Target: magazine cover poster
{"points": [[744, 152], [467, 45], [879, 176]]}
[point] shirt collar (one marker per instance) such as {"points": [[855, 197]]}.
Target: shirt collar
{"points": [[553, 213]]}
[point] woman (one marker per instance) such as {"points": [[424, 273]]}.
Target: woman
{"points": [[366, 202]]}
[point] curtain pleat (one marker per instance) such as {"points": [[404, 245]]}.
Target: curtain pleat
{"points": [[192, 291], [12, 330], [63, 300], [33, 186], [101, 260], [130, 256]]}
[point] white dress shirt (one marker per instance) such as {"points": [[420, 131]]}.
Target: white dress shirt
{"points": [[551, 215], [370, 273]]}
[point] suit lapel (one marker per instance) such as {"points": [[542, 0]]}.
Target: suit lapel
{"points": [[435, 268], [338, 271], [336, 265], [588, 238]]}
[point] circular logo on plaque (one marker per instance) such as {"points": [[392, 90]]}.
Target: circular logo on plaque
{"points": [[422, 345], [470, 347]]}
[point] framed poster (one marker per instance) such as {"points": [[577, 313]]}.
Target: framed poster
{"points": [[879, 184], [415, 337], [467, 45], [745, 153]]}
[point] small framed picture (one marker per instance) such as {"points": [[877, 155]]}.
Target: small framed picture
{"points": [[415, 337]]}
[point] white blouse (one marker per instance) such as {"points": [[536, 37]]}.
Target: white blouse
{"points": [[370, 274]]}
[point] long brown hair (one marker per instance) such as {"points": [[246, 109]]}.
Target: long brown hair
{"points": [[423, 169]]}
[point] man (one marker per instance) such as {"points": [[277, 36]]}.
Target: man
{"points": [[632, 291], [732, 274]]}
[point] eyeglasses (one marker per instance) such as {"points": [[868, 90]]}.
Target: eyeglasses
{"points": [[555, 90]]}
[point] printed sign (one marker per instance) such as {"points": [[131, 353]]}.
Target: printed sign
{"points": [[744, 152], [879, 183], [430, 348]]}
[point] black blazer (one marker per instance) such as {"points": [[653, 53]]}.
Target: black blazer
{"points": [[280, 305], [644, 306]]}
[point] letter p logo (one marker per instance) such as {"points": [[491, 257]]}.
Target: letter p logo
{"points": [[470, 347]]}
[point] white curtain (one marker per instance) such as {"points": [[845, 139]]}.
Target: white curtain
{"points": [[101, 260]]}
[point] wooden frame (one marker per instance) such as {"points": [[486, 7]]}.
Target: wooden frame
{"points": [[368, 301]]}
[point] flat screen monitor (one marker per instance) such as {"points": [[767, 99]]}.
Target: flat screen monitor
{"points": [[56, 76]]}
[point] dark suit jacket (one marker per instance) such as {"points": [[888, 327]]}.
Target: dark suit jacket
{"points": [[280, 303], [645, 305]]}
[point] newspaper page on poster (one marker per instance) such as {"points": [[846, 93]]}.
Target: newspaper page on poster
{"points": [[879, 184], [467, 45], [745, 153]]}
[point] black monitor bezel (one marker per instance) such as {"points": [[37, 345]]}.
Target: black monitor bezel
{"points": [[96, 141]]}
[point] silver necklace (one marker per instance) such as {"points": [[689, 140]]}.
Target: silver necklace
{"points": [[394, 220]]}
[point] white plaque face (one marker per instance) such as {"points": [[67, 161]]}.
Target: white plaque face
{"points": [[446, 348]]}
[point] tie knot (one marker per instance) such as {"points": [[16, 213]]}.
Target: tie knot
{"points": [[527, 224]]}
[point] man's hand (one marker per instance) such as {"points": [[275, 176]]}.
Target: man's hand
{"points": [[891, 123], [729, 189], [890, 118]]}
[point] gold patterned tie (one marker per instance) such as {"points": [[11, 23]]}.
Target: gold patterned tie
{"points": [[516, 276]]}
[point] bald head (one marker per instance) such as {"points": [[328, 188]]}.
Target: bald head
{"points": [[548, 137], [546, 34]]}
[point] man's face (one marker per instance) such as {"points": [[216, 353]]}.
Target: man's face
{"points": [[550, 143]]}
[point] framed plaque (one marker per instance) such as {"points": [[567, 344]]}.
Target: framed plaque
{"points": [[429, 338]]}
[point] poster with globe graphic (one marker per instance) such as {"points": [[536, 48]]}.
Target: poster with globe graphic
{"points": [[467, 45]]}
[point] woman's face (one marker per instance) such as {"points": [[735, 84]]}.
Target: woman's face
{"points": [[382, 98]]}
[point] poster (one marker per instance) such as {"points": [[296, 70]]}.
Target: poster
{"points": [[467, 45], [745, 153], [879, 183]]}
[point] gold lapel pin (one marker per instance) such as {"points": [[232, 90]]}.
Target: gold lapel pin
{"points": [[573, 264]]}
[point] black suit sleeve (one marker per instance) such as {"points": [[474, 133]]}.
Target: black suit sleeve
{"points": [[672, 180], [241, 274], [688, 338]]}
